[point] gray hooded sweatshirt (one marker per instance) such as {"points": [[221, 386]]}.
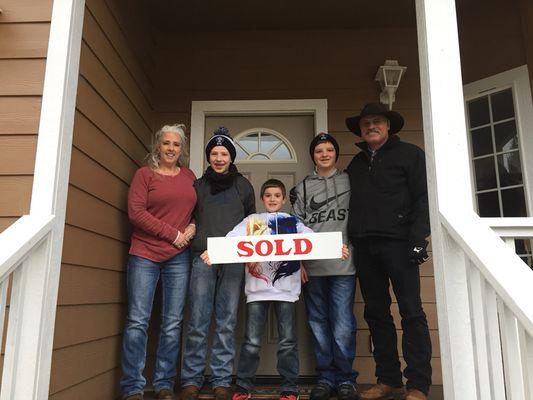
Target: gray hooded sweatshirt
{"points": [[323, 206]]}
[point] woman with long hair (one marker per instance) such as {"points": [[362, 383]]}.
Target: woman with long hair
{"points": [[161, 201]]}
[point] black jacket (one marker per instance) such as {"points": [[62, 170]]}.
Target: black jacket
{"points": [[389, 194], [216, 215]]}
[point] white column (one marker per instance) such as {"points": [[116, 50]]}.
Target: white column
{"points": [[449, 187], [26, 372]]}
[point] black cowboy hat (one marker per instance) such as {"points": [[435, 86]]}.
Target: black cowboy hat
{"points": [[395, 119]]}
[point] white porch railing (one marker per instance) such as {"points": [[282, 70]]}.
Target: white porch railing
{"points": [[30, 249], [500, 288]]}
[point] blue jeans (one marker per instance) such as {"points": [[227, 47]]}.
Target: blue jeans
{"points": [[142, 277], [329, 302], [288, 364], [213, 289]]}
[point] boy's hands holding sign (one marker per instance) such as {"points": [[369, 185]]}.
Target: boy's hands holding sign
{"points": [[205, 257]]}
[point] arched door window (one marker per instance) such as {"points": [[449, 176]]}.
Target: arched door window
{"points": [[263, 145]]}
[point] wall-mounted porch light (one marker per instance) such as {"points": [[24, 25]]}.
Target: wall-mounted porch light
{"points": [[389, 76]]}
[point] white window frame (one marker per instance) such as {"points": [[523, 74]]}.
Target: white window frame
{"points": [[202, 109], [518, 80], [278, 135]]}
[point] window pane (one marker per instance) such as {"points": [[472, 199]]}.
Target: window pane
{"points": [[259, 157], [481, 142], [502, 105], [485, 173], [281, 153], [268, 142], [478, 112], [488, 204], [250, 143], [514, 203], [522, 246], [509, 169], [241, 155], [505, 136]]}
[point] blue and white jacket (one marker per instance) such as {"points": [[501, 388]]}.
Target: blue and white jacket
{"points": [[271, 280]]}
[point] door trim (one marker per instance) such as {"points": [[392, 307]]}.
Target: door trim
{"points": [[202, 109]]}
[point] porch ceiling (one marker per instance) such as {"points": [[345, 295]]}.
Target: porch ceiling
{"points": [[214, 15]]}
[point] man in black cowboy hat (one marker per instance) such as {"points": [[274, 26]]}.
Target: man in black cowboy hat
{"points": [[388, 225]]}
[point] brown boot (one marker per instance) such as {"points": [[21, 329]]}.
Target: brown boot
{"points": [[189, 392], [380, 391], [222, 393], [165, 394], [414, 394], [136, 396]]}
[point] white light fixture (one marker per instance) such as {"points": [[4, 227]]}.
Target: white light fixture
{"points": [[389, 76]]}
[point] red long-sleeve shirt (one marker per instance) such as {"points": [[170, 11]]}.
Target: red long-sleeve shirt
{"points": [[158, 207]]}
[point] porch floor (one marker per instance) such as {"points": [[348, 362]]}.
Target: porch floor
{"points": [[270, 392]]}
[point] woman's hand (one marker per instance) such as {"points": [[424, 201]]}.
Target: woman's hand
{"points": [[345, 252], [205, 258], [189, 231], [303, 273], [181, 241]]}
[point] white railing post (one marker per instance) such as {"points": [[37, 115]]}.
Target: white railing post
{"points": [[26, 371], [449, 187]]}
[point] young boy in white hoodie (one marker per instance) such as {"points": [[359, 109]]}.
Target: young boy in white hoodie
{"points": [[277, 283]]}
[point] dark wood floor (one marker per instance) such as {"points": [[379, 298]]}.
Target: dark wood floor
{"points": [[269, 392]]}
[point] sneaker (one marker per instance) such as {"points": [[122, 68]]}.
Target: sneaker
{"points": [[136, 396], [241, 394], [380, 391], [322, 391], [165, 394], [415, 394], [222, 393], [347, 391], [289, 396], [189, 392]]}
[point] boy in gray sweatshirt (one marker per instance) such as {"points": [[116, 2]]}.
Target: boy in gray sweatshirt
{"points": [[321, 201]]}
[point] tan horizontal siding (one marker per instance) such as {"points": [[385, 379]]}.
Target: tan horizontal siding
{"points": [[93, 178], [95, 108], [89, 139], [24, 29], [86, 323], [94, 72], [21, 77], [18, 154], [15, 198], [6, 222], [81, 285], [102, 12], [19, 115], [102, 47], [87, 211], [101, 386], [76, 364], [91, 249], [112, 132], [26, 11], [24, 40]]}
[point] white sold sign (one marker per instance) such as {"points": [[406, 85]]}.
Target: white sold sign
{"points": [[298, 246]]}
